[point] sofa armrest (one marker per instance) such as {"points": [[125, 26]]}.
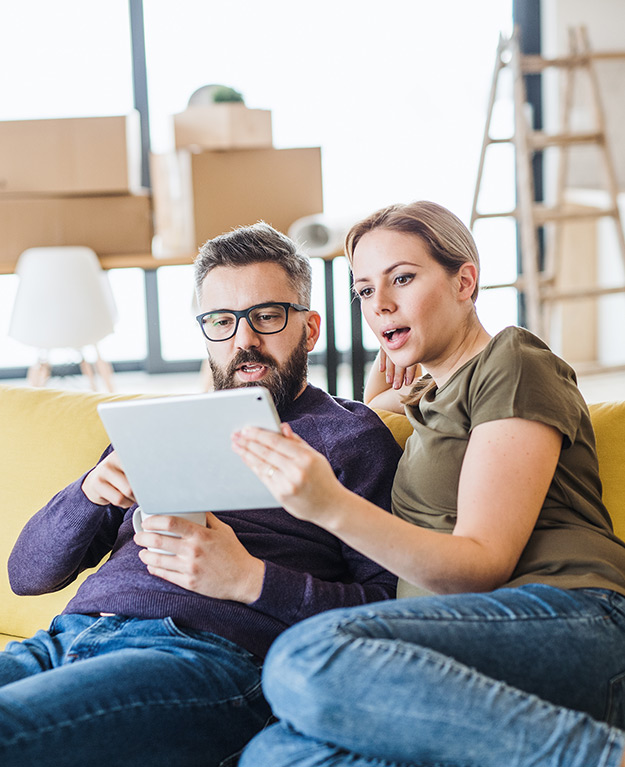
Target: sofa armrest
{"points": [[49, 438]]}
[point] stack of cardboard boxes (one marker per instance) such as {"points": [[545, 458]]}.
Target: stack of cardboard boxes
{"points": [[226, 173], [73, 181], [76, 181]]}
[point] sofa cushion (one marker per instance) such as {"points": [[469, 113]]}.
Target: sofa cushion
{"points": [[398, 424], [6, 638], [49, 438], [608, 420]]}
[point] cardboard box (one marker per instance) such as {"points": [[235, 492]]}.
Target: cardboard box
{"points": [[200, 195], [223, 126], [81, 155], [111, 225]]}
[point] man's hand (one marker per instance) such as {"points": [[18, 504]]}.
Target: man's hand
{"points": [[208, 560], [107, 483]]}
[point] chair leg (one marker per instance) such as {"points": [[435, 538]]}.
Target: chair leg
{"points": [[104, 370], [38, 374], [86, 369]]}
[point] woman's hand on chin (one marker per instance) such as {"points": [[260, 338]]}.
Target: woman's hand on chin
{"points": [[388, 383], [396, 376]]}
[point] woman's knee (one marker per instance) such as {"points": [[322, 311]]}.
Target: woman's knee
{"points": [[302, 665]]}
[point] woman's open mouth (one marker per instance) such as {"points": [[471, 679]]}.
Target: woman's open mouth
{"points": [[395, 337]]}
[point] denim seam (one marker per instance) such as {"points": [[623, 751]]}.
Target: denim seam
{"points": [[611, 696], [344, 626]]}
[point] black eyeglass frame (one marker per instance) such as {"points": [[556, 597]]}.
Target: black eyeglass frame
{"points": [[240, 314]]}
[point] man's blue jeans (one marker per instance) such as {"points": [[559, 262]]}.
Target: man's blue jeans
{"points": [[116, 691], [455, 680]]}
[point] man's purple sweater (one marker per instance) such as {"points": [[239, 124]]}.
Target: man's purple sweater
{"points": [[308, 570]]}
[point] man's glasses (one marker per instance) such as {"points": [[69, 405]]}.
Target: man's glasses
{"points": [[222, 324]]}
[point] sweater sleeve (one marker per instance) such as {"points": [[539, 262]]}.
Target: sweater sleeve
{"points": [[292, 596], [68, 535]]}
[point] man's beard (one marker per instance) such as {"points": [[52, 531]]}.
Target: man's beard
{"points": [[284, 382]]}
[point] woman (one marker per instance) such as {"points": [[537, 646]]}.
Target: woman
{"points": [[514, 580]]}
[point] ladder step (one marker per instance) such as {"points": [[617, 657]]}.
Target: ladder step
{"points": [[533, 64], [544, 280], [563, 295], [541, 140], [509, 140], [498, 214], [544, 214], [499, 285]]}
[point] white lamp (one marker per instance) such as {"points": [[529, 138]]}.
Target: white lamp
{"points": [[319, 236], [63, 300]]}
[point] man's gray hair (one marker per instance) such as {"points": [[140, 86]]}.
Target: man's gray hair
{"points": [[251, 245]]}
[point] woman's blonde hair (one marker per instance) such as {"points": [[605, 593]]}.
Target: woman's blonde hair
{"points": [[447, 239]]}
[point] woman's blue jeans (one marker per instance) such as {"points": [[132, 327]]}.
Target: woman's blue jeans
{"points": [[117, 691], [512, 678]]}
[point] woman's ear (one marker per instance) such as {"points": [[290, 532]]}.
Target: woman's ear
{"points": [[467, 280]]}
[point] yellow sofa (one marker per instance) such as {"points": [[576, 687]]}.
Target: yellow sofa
{"points": [[49, 438]]}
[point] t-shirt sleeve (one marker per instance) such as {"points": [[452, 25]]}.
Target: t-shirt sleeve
{"points": [[521, 378]]}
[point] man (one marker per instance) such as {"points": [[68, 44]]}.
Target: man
{"points": [[157, 658]]}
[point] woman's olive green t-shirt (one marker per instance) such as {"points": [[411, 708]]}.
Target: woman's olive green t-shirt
{"points": [[515, 376]]}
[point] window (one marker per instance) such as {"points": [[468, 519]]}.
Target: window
{"points": [[394, 93]]}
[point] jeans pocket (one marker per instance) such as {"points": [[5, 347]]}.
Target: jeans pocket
{"points": [[206, 638], [615, 708]]}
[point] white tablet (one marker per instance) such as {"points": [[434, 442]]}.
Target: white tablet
{"points": [[177, 451]]}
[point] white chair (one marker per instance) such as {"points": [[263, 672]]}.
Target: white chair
{"points": [[63, 300]]}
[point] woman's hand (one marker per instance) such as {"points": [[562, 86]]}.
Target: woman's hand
{"points": [[107, 483], [387, 383], [299, 477], [397, 377]]}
